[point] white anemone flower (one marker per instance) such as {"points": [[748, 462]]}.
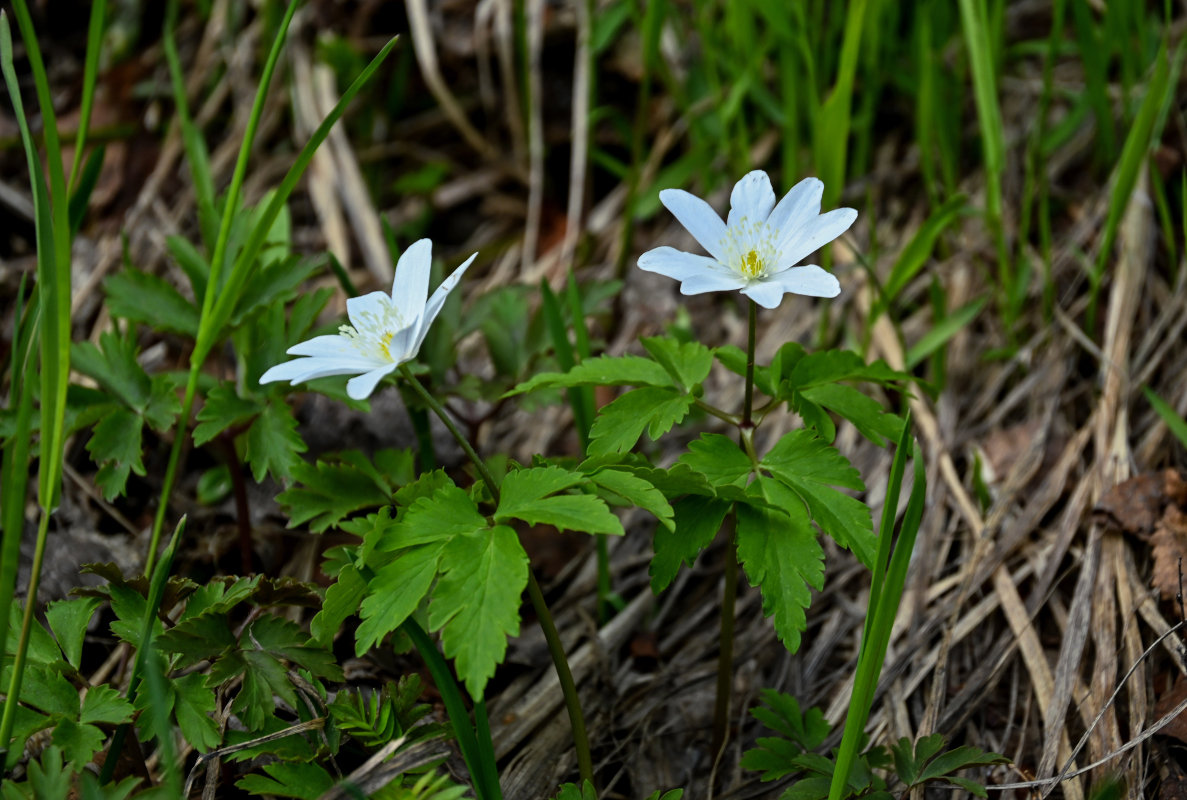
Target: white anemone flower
{"points": [[384, 331], [757, 248]]}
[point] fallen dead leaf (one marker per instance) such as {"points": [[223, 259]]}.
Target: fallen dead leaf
{"points": [[1169, 544], [1136, 505]]}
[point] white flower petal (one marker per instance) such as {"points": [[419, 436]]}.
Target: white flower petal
{"points": [[752, 199], [808, 280], [306, 369], [411, 284], [333, 345], [677, 264], [360, 388], [698, 218], [798, 206], [434, 306], [812, 236], [711, 282], [766, 293], [367, 310]]}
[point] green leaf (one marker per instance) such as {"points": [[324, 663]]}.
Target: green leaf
{"points": [[601, 371], [781, 555], [830, 366], [447, 512], [634, 491], [80, 741], [811, 468], [163, 404], [719, 459], [867, 414], [942, 330], [395, 592], [733, 358], [273, 443], [138, 296], [475, 604], [335, 487], [621, 422], [917, 251], [342, 599], [289, 779], [206, 636], [68, 619], [275, 282], [192, 706], [526, 496], [223, 408], [113, 366], [115, 446], [1169, 416], [687, 362], [807, 730], [49, 777], [104, 704], [697, 521], [192, 262]]}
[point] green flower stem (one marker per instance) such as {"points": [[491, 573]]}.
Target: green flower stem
{"points": [[725, 654], [555, 648], [18, 667], [725, 650]]}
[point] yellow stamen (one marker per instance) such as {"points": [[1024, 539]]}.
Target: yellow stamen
{"points": [[384, 341], [752, 266]]}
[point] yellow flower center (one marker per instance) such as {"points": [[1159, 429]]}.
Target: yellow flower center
{"points": [[752, 266], [384, 341]]}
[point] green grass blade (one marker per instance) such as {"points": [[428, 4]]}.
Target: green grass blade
{"points": [[831, 132], [975, 24], [890, 572], [1174, 422], [196, 153], [86, 185], [89, 74], [943, 330]]}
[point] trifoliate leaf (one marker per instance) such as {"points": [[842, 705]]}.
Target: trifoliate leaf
{"points": [[781, 556], [336, 486], [687, 362], [525, 496], [68, 619], [283, 638], [634, 491], [289, 779], [475, 604], [395, 592], [222, 409], [104, 704], [811, 467], [273, 443], [621, 422], [601, 371], [115, 446], [138, 296], [719, 459], [192, 705], [807, 729], [697, 520]]}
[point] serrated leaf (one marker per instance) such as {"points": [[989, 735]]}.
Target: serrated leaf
{"points": [[222, 409], [781, 556], [113, 366], [830, 366], [527, 495], [964, 757], [192, 706], [283, 638], [394, 593], [115, 446], [635, 491], [810, 467], [206, 636], [719, 459], [733, 358], [273, 444], [475, 604], [867, 414], [104, 704], [46, 688], [80, 741], [621, 422], [220, 595], [687, 362], [447, 512], [289, 779], [275, 282], [807, 730], [138, 296], [343, 597], [335, 487], [775, 758], [697, 521], [601, 371], [68, 619], [163, 404]]}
